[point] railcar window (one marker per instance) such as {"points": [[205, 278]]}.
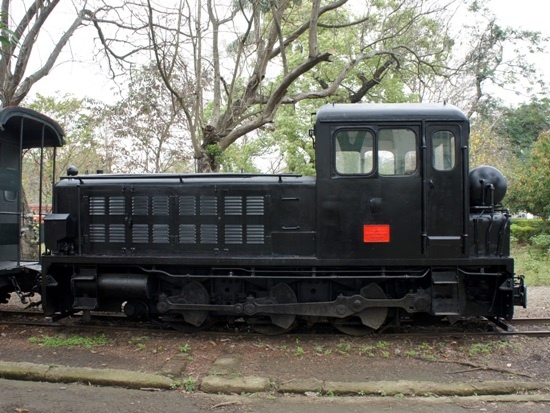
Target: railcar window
{"points": [[354, 151], [396, 152], [10, 196], [443, 147], [8, 180]]}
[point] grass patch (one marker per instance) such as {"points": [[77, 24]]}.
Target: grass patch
{"points": [[70, 341], [535, 267]]}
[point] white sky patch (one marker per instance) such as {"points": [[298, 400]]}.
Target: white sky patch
{"points": [[85, 77]]}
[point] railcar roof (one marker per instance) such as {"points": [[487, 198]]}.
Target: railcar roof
{"points": [[29, 125], [366, 112]]}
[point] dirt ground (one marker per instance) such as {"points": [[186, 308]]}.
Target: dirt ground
{"points": [[297, 356]]}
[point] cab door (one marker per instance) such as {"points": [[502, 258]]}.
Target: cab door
{"points": [[444, 191], [369, 205]]}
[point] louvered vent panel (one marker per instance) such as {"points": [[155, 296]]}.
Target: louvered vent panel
{"points": [[161, 234], [97, 205], [209, 205], [97, 233], [233, 205], [233, 234], [188, 205], [140, 234], [117, 205], [161, 205], [140, 205], [254, 205], [117, 233], [209, 234], [188, 234], [255, 234]]}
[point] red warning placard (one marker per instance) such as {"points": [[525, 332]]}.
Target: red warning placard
{"points": [[376, 233]]}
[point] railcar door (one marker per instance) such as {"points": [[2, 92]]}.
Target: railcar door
{"points": [[445, 191], [9, 217], [369, 204]]}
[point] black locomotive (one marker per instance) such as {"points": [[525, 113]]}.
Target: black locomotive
{"points": [[394, 224]]}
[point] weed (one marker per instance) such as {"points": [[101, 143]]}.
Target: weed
{"points": [[343, 348], [479, 348], [185, 348], [411, 353], [399, 396], [386, 354], [424, 346], [140, 346], [366, 349], [299, 351], [382, 344], [189, 383]]}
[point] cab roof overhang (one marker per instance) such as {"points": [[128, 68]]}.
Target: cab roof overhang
{"points": [[35, 129]]}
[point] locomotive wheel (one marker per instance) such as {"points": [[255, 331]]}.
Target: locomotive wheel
{"points": [[193, 293], [367, 321], [280, 323]]}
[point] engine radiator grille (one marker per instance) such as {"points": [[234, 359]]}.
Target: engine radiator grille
{"points": [[196, 221]]}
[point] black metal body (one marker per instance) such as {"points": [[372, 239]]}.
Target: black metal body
{"points": [[387, 224]]}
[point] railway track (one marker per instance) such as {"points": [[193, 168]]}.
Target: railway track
{"points": [[529, 327]]}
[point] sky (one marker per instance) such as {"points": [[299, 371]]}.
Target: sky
{"points": [[85, 77]]}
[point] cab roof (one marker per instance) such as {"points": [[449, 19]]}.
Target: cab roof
{"points": [[368, 112]]}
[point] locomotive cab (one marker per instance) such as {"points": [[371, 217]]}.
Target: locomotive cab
{"points": [[395, 177]]}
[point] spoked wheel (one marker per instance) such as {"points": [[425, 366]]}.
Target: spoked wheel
{"points": [[188, 321], [367, 321], [280, 323]]}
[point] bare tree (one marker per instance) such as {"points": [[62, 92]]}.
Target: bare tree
{"points": [[231, 64], [16, 76]]}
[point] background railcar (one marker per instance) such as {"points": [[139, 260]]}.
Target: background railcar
{"points": [[394, 223], [20, 129]]}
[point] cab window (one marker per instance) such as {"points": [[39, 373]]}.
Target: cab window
{"points": [[443, 148], [396, 152], [354, 152]]}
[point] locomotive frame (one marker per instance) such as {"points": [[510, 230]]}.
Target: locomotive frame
{"points": [[394, 224]]}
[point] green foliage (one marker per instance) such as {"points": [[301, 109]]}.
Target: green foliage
{"points": [[522, 233], [530, 186], [521, 126], [7, 37], [541, 246], [534, 265]]}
